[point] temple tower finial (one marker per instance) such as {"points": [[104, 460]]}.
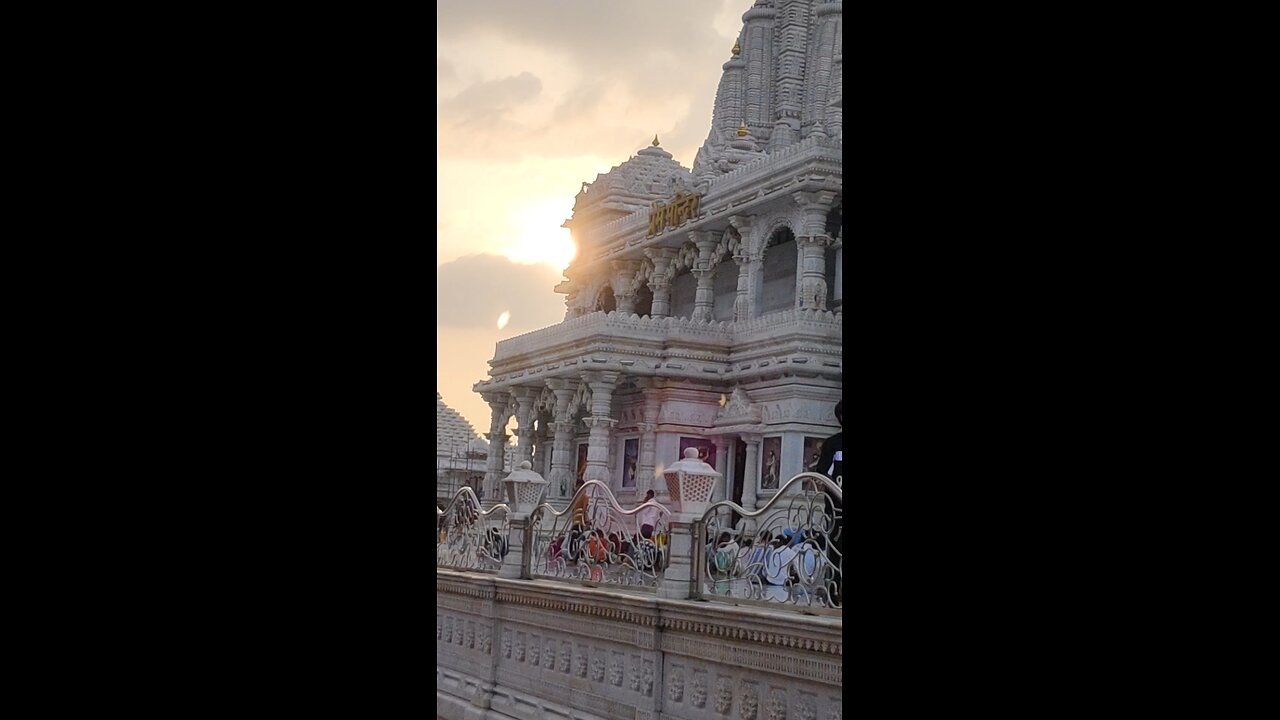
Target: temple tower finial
{"points": [[655, 139]]}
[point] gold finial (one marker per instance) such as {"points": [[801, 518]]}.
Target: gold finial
{"points": [[655, 140], [737, 48], [742, 129]]}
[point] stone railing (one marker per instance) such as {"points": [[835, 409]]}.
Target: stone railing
{"points": [[615, 325], [619, 327], [788, 552], [594, 540], [470, 538], [623, 224], [525, 646]]}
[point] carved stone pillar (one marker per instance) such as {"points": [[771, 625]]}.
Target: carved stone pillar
{"points": [[705, 297], [646, 465], [525, 397], [562, 450], [623, 282], [602, 384], [659, 282], [741, 304], [751, 474], [744, 306], [499, 403], [722, 466], [645, 480], [704, 300], [811, 292], [544, 446]]}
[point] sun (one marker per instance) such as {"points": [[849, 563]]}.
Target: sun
{"points": [[539, 237]]}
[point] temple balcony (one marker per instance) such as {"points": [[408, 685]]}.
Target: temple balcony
{"points": [[797, 342]]}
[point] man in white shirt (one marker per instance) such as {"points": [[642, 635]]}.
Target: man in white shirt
{"points": [[647, 517]]}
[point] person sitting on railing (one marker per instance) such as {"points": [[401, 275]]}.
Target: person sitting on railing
{"points": [[597, 546], [777, 568], [618, 544], [721, 554], [758, 556]]}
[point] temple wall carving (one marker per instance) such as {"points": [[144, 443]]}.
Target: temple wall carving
{"points": [[507, 650]]}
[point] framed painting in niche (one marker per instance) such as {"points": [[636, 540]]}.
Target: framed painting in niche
{"points": [[770, 463], [582, 465], [630, 461], [812, 451]]}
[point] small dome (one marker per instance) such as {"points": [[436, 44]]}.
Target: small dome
{"points": [[634, 184]]}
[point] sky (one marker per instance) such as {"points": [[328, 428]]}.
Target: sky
{"points": [[532, 100]]}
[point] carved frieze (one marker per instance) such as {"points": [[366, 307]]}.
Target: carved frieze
{"points": [[698, 692], [615, 671], [777, 705], [675, 686], [566, 655], [724, 696], [748, 702]]}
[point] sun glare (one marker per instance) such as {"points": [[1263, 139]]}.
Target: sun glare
{"points": [[503, 319], [540, 239]]}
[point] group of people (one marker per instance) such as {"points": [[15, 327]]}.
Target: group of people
{"points": [[792, 562], [593, 538], [795, 561]]}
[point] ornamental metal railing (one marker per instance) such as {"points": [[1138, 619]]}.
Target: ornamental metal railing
{"points": [[470, 538], [595, 541], [788, 552]]}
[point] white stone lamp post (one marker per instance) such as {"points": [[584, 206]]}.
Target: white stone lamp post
{"points": [[523, 488], [690, 481]]}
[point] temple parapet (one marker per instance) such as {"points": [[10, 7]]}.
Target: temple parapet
{"points": [[649, 342]]}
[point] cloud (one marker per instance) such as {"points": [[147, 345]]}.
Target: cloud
{"points": [[472, 291], [490, 104], [602, 88], [445, 71]]}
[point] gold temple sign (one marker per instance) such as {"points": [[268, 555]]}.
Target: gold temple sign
{"points": [[684, 206]]}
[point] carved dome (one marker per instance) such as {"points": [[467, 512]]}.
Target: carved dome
{"points": [[651, 174]]}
